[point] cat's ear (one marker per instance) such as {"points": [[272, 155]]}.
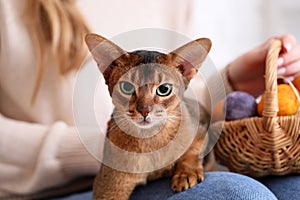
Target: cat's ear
{"points": [[189, 57], [103, 50]]}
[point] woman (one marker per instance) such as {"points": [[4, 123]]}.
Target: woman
{"points": [[41, 154]]}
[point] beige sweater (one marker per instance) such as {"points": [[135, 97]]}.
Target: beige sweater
{"points": [[40, 148]]}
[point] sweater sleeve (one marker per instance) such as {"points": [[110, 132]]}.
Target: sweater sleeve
{"points": [[35, 157]]}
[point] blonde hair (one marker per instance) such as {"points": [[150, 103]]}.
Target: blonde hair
{"points": [[56, 26]]}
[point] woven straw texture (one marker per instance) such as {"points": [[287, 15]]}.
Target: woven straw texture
{"points": [[267, 145]]}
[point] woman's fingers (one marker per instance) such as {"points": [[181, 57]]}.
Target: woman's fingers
{"points": [[292, 69], [291, 56], [289, 59], [288, 42]]}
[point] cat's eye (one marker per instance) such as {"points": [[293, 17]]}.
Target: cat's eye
{"points": [[164, 90], [127, 88]]}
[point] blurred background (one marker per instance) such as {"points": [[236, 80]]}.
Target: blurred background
{"points": [[234, 26]]}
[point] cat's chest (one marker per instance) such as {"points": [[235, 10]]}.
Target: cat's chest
{"points": [[126, 141]]}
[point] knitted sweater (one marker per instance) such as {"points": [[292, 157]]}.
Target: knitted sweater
{"points": [[41, 151]]}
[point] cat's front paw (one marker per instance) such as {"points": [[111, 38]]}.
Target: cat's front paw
{"points": [[186, 178]]}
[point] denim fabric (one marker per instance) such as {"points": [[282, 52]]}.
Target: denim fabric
{"points": [[284, 187], [217, 185]]}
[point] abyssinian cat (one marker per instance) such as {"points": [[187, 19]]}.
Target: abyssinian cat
{"points": [[151, 118]]}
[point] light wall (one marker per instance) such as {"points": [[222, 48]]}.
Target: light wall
{"points": [[236, 26]]}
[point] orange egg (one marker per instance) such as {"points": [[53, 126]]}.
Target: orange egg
{"points": [[287, 101], [218, 113], [296, 82]]}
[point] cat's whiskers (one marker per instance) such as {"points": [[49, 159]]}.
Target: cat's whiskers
{"points": [[121, 120], [174, 119], [174, 114], [118, 124], [119, 112], [118, 118]]}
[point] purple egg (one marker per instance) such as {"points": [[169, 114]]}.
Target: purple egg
{"points": [[239, 105]]}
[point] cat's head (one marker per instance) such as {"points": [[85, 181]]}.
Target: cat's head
{"points": [[147, 86]]}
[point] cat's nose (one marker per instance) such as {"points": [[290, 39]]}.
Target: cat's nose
{"points": [[144, 109]]}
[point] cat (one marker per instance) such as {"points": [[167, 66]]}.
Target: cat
{"points": [[151, 117]]}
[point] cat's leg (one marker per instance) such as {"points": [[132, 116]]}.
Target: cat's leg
{"points": [[189, 168], [209, 162], [111, 184]]}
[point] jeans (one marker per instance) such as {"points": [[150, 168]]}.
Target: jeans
{"points": [[284, 187], [217, 185]]}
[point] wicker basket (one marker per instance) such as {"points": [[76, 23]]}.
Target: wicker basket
{"points": [[267, 145]]}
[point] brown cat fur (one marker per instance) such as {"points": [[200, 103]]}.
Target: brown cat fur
{"points": [[182, 65]]}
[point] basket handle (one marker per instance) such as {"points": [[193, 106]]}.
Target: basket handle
{"points": [[269, 114]]}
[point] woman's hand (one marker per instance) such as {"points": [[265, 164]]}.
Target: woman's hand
{"points": [[246, 72]]}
